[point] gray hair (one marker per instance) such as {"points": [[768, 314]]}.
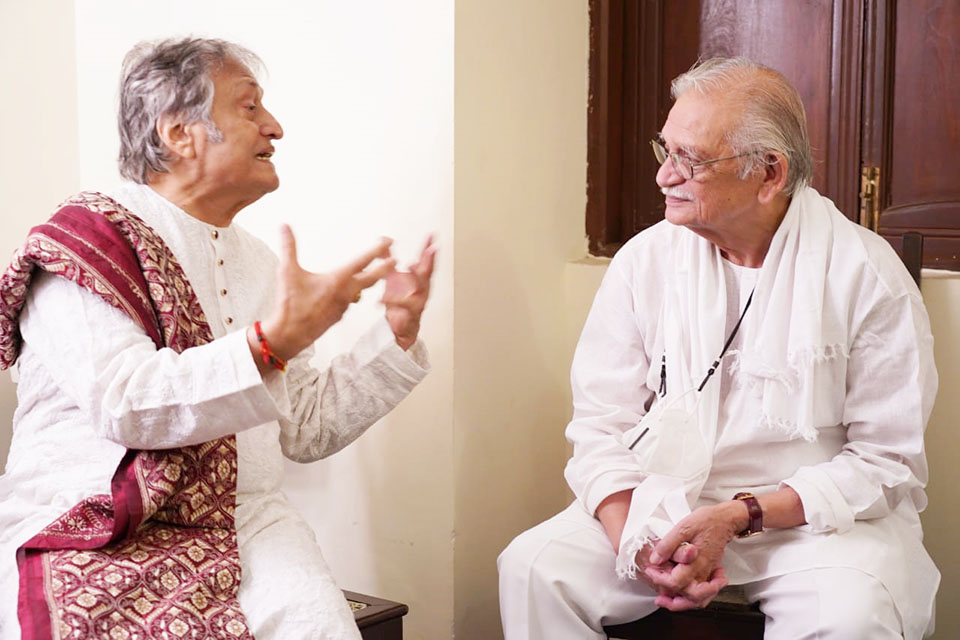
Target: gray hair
{"points": [[169, 78], [772, 118]]}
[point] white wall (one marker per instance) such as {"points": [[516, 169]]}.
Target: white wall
{"points": [[941, 520], [38, 125]]}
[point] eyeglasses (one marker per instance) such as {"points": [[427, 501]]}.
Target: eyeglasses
{"points": [[681, 164]]}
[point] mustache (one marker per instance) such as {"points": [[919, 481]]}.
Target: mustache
{"points": [[676, 192]]}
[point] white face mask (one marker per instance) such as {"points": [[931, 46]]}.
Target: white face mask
{"points": [[667, 442]]}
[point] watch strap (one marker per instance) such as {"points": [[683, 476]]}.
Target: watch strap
{"points": [[754, 512]]}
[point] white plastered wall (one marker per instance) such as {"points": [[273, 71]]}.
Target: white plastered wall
{"points": [[38, 125], [941, 520]]}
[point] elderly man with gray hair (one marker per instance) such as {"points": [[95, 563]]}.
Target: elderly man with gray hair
{"points": [[750, 391], [164, 374]]}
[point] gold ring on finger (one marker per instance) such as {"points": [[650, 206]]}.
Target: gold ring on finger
{"points": [[356, 298]]}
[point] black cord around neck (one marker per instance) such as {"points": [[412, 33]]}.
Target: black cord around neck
{"points": [[716, 363]]}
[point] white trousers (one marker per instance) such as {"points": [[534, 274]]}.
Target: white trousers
{"points": [[558, 581], [287, 591]]}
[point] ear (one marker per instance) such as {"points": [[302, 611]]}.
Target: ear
{"points": [[774, 177], [179, 140]]}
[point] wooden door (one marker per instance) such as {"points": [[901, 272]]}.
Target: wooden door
{"points": [[878, 78], [911, 124], [816, 44]]}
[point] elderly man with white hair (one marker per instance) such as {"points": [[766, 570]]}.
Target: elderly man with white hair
{"points": [[164, 374], [750, 390]]}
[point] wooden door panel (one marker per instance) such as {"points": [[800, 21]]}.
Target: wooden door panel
{"points": [[926, 97], [911, 123], [773, 33], [636, 48], [816, 45]]}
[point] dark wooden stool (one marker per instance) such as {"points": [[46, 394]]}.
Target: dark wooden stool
{"points": [[728, 617], [377, 619]]}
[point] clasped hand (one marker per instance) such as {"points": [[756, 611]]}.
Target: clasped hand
{"points": [[684, 566], [310, 303]]}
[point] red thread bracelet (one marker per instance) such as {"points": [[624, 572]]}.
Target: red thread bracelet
{"points": [[269, 357]]}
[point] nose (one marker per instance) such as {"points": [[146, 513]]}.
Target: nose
{"points": [[668, 174], [270, 128]]}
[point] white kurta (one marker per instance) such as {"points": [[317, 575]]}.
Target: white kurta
{"points": [[91, 385], [860, 480]]}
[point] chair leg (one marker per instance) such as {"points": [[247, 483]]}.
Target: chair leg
{"points": [[912, 252]]}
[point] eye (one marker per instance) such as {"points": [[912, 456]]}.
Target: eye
{"points": [[679, 154]]}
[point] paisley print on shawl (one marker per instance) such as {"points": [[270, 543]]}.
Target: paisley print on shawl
{"points": [[158, 557]]}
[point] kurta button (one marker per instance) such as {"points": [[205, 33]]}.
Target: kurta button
{"points": [[229, 320], [223, 292], [215, 234], [220, 262]]}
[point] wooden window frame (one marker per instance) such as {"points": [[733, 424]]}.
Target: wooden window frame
{"points": [[626, 107]]}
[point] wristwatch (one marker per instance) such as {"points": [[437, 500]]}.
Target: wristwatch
{"points": [[754, 512]]}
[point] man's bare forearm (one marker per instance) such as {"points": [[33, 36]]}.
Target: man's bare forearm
{"points": [[612, 514]]}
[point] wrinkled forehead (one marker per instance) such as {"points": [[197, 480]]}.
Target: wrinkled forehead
{"points": [[700, 123]]}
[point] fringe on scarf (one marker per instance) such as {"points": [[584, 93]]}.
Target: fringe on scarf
{"points": [[800, 362], [627, 558]]}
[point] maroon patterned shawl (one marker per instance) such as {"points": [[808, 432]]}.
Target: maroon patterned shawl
{"points": [[157, 558]]}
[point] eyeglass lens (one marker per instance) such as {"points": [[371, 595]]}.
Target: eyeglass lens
{"points": [[681, 165]]}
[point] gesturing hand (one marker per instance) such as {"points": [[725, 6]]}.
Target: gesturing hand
{"points": [[406, 295], [310, 303]]}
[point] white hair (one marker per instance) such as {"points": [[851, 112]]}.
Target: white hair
{"points": [[772, 117], [169, 78]]}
